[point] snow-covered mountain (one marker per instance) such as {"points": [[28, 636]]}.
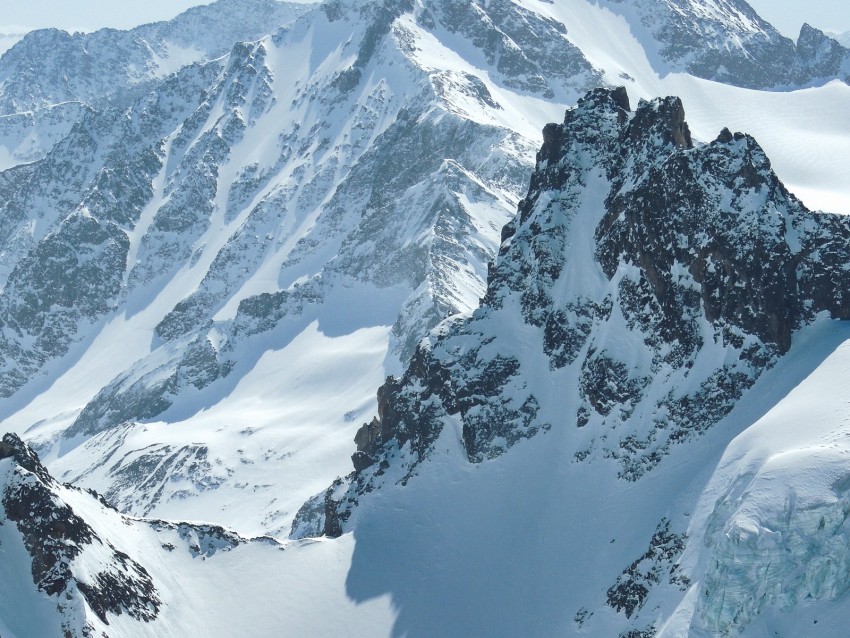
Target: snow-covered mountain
{"points": [[49, 77], [73, 566], [643, 289], [375, 175], [726, 40], [49, 66], [205, 276]]}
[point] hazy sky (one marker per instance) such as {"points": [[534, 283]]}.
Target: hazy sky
{"points": [[88, 14], [19, 15], [789, 15]]}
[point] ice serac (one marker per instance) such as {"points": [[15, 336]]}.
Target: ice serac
{"points": [[777, 540], [644, 285]]}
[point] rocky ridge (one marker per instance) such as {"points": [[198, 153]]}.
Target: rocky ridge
{"points": [[79, 557], [643, 287], [88, 576], [727, 41]]}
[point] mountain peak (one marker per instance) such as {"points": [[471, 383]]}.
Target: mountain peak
{"points": [[696, 250], [13, 447], [661, 120]]}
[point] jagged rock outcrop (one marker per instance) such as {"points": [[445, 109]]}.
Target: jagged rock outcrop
{"points": [[83, 556], [85, 573], [643, 286], [656, 565]]}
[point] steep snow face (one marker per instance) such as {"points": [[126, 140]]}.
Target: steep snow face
{"points": [[644, 287]]}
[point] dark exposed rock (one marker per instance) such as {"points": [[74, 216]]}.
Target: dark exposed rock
{"points": [[694, 248], [12, 447], [55, 536], [72, 277], [632, 588], [202, 539], [606, 383], [746, 267]]}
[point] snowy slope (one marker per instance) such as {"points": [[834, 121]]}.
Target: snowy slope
{"points": [[419, 75], [642, 291], [72, 565], [286, 223]]}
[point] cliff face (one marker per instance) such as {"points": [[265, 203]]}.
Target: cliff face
{"points": [[643, 287]]}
